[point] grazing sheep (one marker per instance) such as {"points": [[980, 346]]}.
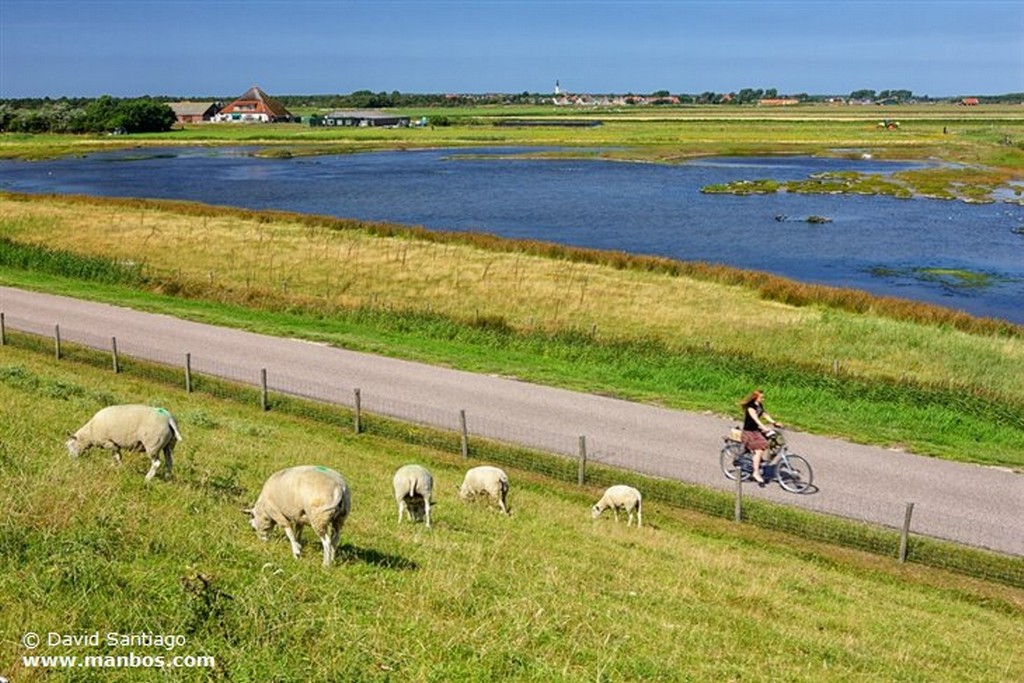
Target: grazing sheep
{"points": [[133, 428], [413, 487], [620, 497], [307, 494], [486, 480]]}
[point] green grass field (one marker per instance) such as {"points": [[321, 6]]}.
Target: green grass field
{"points": [[545, 595]]}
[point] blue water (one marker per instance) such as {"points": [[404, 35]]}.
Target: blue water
{"points": [[872, 243]]}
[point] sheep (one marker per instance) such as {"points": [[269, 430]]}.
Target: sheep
{"points": [[621, 497], [133, 428], [486, 480], [296, 496], [413, 485]]}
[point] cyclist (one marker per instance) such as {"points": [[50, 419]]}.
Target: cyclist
{"points": [[755, 431]]}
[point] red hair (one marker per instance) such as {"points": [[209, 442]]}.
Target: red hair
{"points": [[756, 393]]}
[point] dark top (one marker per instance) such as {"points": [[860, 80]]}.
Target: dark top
{"points": [[749, 425]]}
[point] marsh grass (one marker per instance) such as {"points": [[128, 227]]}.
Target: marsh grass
{"points": [[961, 183], [544, 595]]}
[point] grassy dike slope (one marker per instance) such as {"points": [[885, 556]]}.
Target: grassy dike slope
{"points": [[546, 595], [835, 361]]}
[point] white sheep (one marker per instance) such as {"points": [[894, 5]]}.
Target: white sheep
{"points": [[133, 428], [620, 497], [307, 494], [413, 486], [486, 480]]}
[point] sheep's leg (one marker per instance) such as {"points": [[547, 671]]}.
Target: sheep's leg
{"points": [[401, 508], [336, 536], [327, 541], [153, 467], [639, 517], [615, 511], [169, 457], [117, 455], [293, 538], [426, 511], [501, 504]]}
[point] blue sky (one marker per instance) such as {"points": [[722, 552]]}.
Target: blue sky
{"points": [[126, 48]]}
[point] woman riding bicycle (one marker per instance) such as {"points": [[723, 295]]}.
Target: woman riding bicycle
{"points": [[755, 431]]}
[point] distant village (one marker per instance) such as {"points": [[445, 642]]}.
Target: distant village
{"points": [[256, 106], [366, 109]]}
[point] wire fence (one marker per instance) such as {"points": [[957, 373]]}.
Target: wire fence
{"points": [[559, 455]]}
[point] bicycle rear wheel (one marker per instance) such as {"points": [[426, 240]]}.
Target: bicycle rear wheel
{"points": [[732, 462], [794, 473]]}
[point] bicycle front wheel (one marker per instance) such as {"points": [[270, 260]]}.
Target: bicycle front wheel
{"points": [[731, 462], [794, 473]]}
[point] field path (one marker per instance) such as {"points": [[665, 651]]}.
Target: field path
{"points": [[979, 506]]}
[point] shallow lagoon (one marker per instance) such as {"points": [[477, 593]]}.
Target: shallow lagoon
{"points": [[963, 256]]}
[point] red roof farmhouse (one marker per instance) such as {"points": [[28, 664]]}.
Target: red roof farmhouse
{"points": [[255, 106]]}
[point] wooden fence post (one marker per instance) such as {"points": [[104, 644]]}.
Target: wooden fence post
{"points": [[3, 330], [465, 434], [56, 341], [906, 532], [264, 402], [188, 373], [359, 413], [113, 354], [581, 470]]}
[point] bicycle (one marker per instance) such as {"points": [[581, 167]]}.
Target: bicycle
{"points": [[792, 471]]}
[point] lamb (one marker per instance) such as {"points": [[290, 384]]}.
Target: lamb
{"points": [[486, 480], [133, 428], [413, 485], [296, 496], [621, 497]]}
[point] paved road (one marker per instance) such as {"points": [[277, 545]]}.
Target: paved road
{"points": [[969, 504]]}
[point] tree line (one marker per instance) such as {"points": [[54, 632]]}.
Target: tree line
{"points": [[105, 114]]}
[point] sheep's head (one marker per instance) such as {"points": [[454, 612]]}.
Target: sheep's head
{"points": [[261, 523], [73, 446], [595, 512]]}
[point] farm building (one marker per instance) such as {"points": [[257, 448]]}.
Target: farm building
{"points": [[360, 119], [255, 106], [193, 112]]}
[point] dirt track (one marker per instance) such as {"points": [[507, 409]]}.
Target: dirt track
{"points": [[969, 504]]}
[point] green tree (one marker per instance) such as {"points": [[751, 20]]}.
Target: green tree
{"points": [[144, 116]]}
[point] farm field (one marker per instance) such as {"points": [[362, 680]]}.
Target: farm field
{"points": [[546, 594]]}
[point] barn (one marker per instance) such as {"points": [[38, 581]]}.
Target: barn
{"points": [[360, 119], [193, 112], [255, 106]]}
